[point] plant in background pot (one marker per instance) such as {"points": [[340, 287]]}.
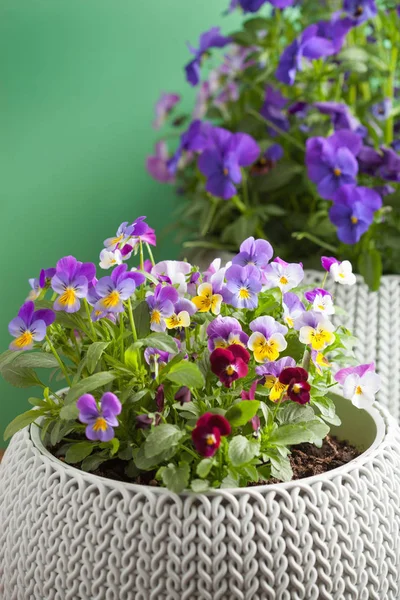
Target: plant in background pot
{"points": [[189, 397], [298, 120]]}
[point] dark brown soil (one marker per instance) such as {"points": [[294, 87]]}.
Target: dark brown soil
{"points": [[306, 460]]}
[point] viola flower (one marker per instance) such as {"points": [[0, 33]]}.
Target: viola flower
{"points": [[267, 339], [155, 357], [100, 421], [164, 107], [309, 45], [390, 167], [29, 326], [331, 162], [230, 363], [335, 30], [184, 395], [284, 275], [320, 361], [142, 232], [215, 274], [121, 237], [242, 286], [369, 160], [206, 300], [270, 373], [230, 93], [360, 384], [110, 259], [183, 310], [116, 288], [221, 160], [40, 283], [157, 164], [210, 39], [360, 10], [292, 308], [237, 61], [328, 261], [194, 139], [162, 306], [225, 331], [254, 252], [174, 272], [353, 211], [272, 108], [71, 281], [381, 110], [298, 388], [315, 330], [341, 117], [206, 436], [342, 272], [321, 301], [268, 160]]}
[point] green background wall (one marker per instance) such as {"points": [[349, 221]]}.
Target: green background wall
{"points": [[78, 82]]}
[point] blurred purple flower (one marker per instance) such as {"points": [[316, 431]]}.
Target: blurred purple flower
{"points": [[341, 116], [292, 308], [369, 160], [116, 288], [331, 162], [335, 30], [71, 281], [254, 252], [272, 108], [221, 160], [100, 422], [164, 106], [328, 261], [210, 39], [237, 61], [194, 139], [353, 212], [29, 326], [360, 10], [157, 165], [390, 167], [381, 110], [242, 286]]}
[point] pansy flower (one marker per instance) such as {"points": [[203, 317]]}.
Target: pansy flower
{"points": [[360, 10], [29, 326], [320, 361], [360, 384], [142, 232], [321, 301], [381, 110], [184, 395], [225, 331], [267, 339], [157, 164], [283, 275], [230, 363], [342, 272], [183, 310], [242, 286], [270, 373], [298, 388], [206, 300], [254, 252], [268, 160], [110, 258], [164, 106], [210, 39], [121, 237], [272, 110], [353, 211], [292, 308], [71, 282], [390, 167], [335, 30], [206, 436], [100, 421], [38, 284], [114, 289], [328, 261], [161, 305], [174, 272], [315, 330], [341, 117], [194, 139], [215, 274]]}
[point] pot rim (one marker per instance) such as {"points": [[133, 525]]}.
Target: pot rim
{"points": [[378, 414]]}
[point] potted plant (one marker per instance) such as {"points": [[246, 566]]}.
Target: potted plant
{"points": [[314, 85], [198, 449]]}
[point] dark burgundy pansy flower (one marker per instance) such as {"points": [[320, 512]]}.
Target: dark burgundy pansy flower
{"points": [[298, 387], [207, 434], [230, 363], [183, 395]]}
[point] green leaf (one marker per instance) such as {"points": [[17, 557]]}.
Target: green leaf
{"points": [[91, 463], [199, 485], [94, 353], [141, 317], [161, 341], [327, 408], [240, 229], [22, 421], [175, 478], [291, 412], [370, 267], [36, 360], [298, 433], [138, 396], [241, 450], [204, 467], [20, 376], [186, 373], [8, 357], [145, 464], [69, 412], [88, 385], [281, 468], [240, 413], [162, 438], [277, 178], [78, 452]]}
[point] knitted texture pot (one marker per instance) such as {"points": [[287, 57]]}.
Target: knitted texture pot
{"points": [[69, 535]]}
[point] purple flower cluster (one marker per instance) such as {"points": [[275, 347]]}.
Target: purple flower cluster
{"points": [[210, 39]]}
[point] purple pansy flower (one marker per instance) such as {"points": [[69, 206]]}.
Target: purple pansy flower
{"points": [[116, 288], [157, 165], [353, 212], [270, 372], [164, 106], [29, 326], [71, 281], [139, 232], [254, 252], [161, 305], [292, 308], [100, 421], [360, 384], [237, 61], [39, 283], [328, 261], [309, 45], [194, 139], [272, 108], [381, 110], [341, 116], [221, 160], [242, 286], [93, 297], [223, 332], [390, 167], [183, 395], [331, 162], [360, 10], [284, 275], [210, 39], [369, 160], [174, 272], [121, 237], [268, 160], [335, 30], [153, 356], [321, 301]]}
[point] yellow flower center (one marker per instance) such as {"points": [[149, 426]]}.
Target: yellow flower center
{"points": [[100, 424], [210, 439], [283, 280], [116, 240], [24, 340], [265, 350], [296, 388], [337, 172], [68, 297], [321, 339], [173, 321], [225, 172], [155, 317], [244, 293], [354, 220], [111, 300], [221, 344], [275, 386], [321, 307], [289, 321], [358, 390], [230, 370]]}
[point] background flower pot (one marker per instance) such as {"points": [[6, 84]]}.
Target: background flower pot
{"points": [[69, 535]]}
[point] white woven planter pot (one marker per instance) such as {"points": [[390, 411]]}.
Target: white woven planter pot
{"points": [[68, 535]]}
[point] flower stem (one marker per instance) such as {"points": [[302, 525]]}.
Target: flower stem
{"points": [[121, 331], [150, 254], [58, 359], [282, 133], [390, 93], [141, 255], [305, 363], [132, 320], [92, 329]]}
